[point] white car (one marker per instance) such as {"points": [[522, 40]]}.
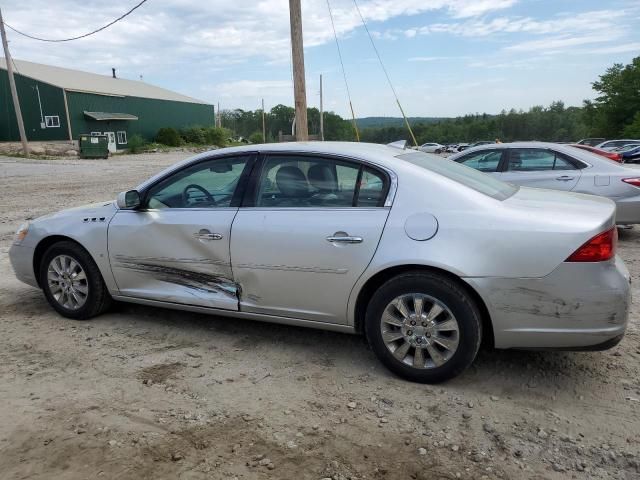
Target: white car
{"points": [[609, 145], [431, 148]]}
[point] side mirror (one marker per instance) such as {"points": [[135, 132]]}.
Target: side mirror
{"points": [[128, 200]]}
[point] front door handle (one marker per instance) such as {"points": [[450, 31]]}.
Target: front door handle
{"points": [[205, 234], [565, 178], [344, 238]]}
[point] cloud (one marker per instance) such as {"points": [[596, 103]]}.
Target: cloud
{"points": [[559, 43], [627, 47], [429, 59], [598, 20]]}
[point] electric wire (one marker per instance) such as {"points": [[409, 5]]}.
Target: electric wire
{"points": [[344, 74], [33, 37], [375, 49]]}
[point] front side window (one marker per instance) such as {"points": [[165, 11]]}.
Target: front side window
{"points": [[537, 160], [210, 184], [312, 182], [485, 161]]}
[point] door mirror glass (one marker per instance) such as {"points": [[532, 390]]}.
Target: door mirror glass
{"points": [[128, 200]]}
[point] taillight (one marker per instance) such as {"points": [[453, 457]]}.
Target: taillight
{"points": [[600, 248], [635, 181], [615, 156]]}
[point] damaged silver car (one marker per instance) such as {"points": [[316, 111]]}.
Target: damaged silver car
{"points": [[427, 258]]}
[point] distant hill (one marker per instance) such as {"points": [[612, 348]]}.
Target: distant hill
{"points": [[370, 122]]}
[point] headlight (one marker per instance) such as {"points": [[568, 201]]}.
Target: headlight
{"points": [[21, 234]]}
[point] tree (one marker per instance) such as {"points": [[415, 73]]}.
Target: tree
{"points": [[619, 99]]}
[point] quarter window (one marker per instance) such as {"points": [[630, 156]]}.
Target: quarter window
{"points": [[209, 184], [314, 182], [537, 160], [52, 121], [484, 161], [122, 138]]}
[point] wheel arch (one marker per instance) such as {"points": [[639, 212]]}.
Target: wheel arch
{"points": [[373, 283], [44, 245]]}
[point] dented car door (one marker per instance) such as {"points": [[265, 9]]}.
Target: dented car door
{"points": [[175, 248]]}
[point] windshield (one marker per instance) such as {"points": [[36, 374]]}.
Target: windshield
{"points": [[467, 176]]}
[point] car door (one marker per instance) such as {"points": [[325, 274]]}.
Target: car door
{"points": [[309, 229], [540, 168], [176, 247]]}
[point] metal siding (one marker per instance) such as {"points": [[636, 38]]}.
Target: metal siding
{"points": [[153, 114], [52, 101]]}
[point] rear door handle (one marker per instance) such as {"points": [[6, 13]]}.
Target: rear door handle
{"points": [[565, 178], [205, 234], [343, 239]]}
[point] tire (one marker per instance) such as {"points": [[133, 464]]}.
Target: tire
{"points": [[429, 334], [90, 288]]}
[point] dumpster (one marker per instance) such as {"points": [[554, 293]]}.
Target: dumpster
{"points": [[94, 146]]}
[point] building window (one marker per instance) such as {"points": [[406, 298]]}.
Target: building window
{"points": [[122, 138], [52, 121], [95, 134]]}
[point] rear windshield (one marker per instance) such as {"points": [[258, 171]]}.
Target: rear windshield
{"points": [[467, 176]]}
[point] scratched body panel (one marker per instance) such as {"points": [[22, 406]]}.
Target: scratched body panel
{"points": [[570, 307], [155, 254]]}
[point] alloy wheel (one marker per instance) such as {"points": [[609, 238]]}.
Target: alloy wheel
{"points": [[419, 330], [67, 282]]}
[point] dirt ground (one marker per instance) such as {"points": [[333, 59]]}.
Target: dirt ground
{"points": [[147, 393]]}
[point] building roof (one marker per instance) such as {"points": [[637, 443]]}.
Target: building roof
{"points": [[76, 80]]}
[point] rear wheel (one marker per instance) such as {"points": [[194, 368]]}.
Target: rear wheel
{"points": [[424, 327], [72, 283]]}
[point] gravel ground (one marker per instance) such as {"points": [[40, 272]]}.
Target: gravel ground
{"points": [[144, 392]]}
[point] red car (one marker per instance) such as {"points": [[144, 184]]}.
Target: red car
{"points": [[610, 155]]}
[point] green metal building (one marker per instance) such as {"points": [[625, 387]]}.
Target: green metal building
{"points": [[61, 104]]}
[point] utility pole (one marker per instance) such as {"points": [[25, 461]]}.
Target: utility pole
{"points": [[219, 118], [321, 113], [12, 85], [297, 54], [264, 125]]}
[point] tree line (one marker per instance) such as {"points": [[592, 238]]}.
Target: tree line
{"points": [[615, 112]]}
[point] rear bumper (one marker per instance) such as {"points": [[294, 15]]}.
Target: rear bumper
{"points": [[21, 258], [579, 306], [628, 210]]}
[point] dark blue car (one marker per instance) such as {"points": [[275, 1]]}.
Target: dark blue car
{"points": [[632, 156]]}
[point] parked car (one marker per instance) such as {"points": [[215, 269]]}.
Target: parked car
{"points": [[480, 143], [611, 144], [615, 156], [592, 142], [624, 148], [560, 167], [632, 155], [462, 146], [431, 148], [426, 256]]}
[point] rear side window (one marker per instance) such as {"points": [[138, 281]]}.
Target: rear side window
{"points": [[298, 181], [484, 161], [537, 160], [478, 181]]}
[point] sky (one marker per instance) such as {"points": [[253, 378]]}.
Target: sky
{"points": [[445, 57]]}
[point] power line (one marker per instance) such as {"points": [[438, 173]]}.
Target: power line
{"points": [[406, 121], [32, 37], [344, 74]]}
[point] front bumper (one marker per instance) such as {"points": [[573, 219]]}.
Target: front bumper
{"points": [[21, 258], [578, 306]]}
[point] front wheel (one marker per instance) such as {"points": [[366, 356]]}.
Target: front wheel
{"points": [[424, 327], [72, 283]]}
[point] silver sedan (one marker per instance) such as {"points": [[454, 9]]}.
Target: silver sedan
{"points": [[560, 167], [426, 257]]}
